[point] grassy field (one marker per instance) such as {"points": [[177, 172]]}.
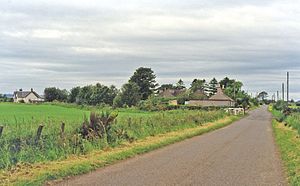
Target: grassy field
{"points": [[23, 120], [39, 173], [18, 146], [287, 137]]}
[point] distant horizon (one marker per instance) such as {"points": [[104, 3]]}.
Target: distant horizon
{"points": [[67, 44], [187, 84]]}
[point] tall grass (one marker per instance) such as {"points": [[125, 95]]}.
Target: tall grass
{"points": [[294, 121], [18, 144], [291, 120]]}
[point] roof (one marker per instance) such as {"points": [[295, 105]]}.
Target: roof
{"points": [[24, 94], [220, 96], [171, 92]]}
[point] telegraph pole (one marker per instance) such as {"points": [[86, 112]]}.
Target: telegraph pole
{"points": [[277, 95], [287, 86], [282, 91], [234, 92]]}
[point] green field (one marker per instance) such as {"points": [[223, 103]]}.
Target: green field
{"points": [[23, 120], [20, 121]]}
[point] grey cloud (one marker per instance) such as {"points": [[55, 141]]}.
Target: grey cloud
{"points": [[64, 44]]}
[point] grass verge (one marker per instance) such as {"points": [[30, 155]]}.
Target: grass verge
{"points": [[289, 144], [39, 173]]}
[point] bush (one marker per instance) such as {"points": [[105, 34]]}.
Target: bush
{"points": [[153, 104], [281, 105], [294, 121], [98, 126]]}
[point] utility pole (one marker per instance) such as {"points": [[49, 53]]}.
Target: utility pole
{"points": [[234, 91], [282, 91], [287, 86], [277, 95]]}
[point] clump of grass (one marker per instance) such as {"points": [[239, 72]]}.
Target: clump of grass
{"points": [[294, 121]]}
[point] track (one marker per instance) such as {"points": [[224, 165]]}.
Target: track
{"points": [[243, 153]]}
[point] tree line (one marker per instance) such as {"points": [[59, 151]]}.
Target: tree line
{"points": [[140, 86]]}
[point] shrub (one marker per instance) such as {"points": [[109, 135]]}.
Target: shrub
{"points": [[99, 125], [281, 105], [153, 104], [294, 121]]}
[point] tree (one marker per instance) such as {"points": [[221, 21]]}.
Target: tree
{"points": [[144, 78], [85, 95], [50, 94], [212, 87], [233, 88], [53, 93], [262, 95], [198, 84], [62, 95], [245, 103], [73, 96], [129, 95], [166, 86], [226, 82], [111, 94], [97, 95], [180, 84]]}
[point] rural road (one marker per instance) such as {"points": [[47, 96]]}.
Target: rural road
{"points": [[243, 153]]}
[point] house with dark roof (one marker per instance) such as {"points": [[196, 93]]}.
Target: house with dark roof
{"points": [[218, 100], [27, 96]]}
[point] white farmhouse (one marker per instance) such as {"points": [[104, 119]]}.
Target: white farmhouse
{"points": [[27, 97]]}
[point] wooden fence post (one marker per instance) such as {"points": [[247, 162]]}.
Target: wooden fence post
{"points": [[62, 132], [39, 133], [1, 130]]}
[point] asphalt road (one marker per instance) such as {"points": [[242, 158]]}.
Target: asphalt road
{"points": [[243, 153]]}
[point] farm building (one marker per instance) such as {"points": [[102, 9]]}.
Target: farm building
{"points": [[219, 99], [27, 97]]}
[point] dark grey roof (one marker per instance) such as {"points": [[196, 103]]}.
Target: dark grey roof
{"points": [[24, 94]]}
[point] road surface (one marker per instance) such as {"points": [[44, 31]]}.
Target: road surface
{"points": [[243, 153]]}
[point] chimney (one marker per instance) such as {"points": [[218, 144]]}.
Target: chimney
{"points": [[20, 90], [31, 89]]}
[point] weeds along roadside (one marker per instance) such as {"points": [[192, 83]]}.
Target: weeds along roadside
{"points": [[286, 124]]}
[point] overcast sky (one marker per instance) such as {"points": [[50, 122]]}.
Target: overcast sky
{"points": [[67, 43]]}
